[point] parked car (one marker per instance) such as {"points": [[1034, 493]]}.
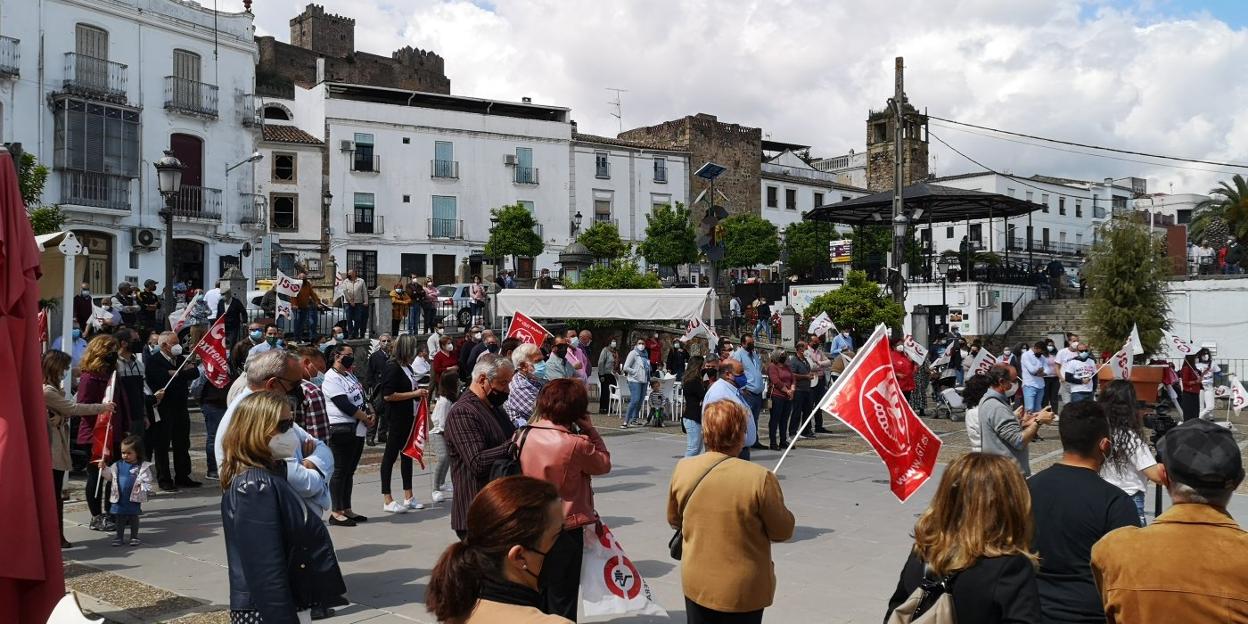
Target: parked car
{"points": [[455, 300]]}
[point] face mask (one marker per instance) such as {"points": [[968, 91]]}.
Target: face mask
{"points": [[1052, 349], [284, 444], [110, 358], [496, 398], [448, 348], [614, 344], [641, 348], [438, 331], [561, 350], [86, 293], [476, 336], [1083, 355], [318, 379], [678, 346], [340, 336], [176, 350], [77, 333], [256, 335], [347, 361], [136, 346], [1013, 389], [749, 348], [539, 370], [272, 340], [576, 342]]}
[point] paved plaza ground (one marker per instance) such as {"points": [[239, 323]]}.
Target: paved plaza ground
{"points": [[851, 539]]}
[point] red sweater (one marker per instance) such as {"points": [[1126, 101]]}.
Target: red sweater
{"points": [[904, 367]]}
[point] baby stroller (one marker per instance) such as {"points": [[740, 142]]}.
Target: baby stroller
{"points": [[948, 397]]}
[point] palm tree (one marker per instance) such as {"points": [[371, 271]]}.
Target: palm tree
{"points": [[1225, 211]]}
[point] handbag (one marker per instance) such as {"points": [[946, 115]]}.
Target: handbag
{"points": [[676, 545], [930, 603], [510, 466]]}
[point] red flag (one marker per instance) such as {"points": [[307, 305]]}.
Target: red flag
{"points": [[102, 437], [526, 329], [212, 351], [415, 447], [867, 398], [42, 319]]}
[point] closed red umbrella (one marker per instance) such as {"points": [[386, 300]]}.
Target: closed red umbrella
{"points": [[31, 578]]}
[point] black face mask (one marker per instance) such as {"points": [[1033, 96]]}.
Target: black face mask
{"points": [[110, 358], [561, 351], [347, 361], [136, 346], [496, 398], [492, 348], [749, 347]]}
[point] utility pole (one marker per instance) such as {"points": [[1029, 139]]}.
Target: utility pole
{"points": [[899, 221]]}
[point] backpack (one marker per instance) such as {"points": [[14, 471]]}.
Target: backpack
{"points": [[930, 603], [510, 466]]}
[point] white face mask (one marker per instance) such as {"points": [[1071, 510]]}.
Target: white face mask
{"points": [[614, 344], [477, 336], [284, 445], [641, 347], [576, 342], [176, 350], [448, 348], [1013, 389]]}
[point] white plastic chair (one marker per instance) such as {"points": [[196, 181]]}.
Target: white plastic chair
{"points": [[615, 402]]}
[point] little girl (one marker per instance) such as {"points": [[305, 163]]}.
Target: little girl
{"points": [[131, 483], [448, 392]]}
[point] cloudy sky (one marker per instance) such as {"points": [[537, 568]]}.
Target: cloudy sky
{"points": [[1161, 76]]}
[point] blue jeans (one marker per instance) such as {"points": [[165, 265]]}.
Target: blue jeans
{"points": [[1033, 398], [693, 438], [756, 406], [1076, 397], [957, 374], [413, 319], [1138, 497], [636, 393], [212, 418], [763, 325]]}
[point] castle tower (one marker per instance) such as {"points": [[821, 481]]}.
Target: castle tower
{"points": [[880, 152], [324, 33]]}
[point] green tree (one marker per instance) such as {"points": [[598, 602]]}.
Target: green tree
{"points": [[617, 274], [513, 234], [32, 177], [859, 303], [603, 241], [749, 240], [670, 241], [1127, 272], [1228, 204], [871, 245], [807, 245]]}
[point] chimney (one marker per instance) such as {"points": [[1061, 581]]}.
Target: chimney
{"points": [[320, 69], [526, 100]]}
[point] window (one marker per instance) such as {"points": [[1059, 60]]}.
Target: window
{"points": [[976, 234], [526, 173], [284, 168], [364, 215], [818, 199], [1061, 206], [407, 199], [96, 138], [1044, 237], [602, 165], [277, 113], [1044, 201], [773, 197], [1119, 203], [1008, 191], [925, 237], [602, 210], [1061, 240], [444, 165], [1009, 236], [1078, 207], [660, 169], [948, 230], [407, 140], [91, 41], [364, 263], [1079, 241], [445, 223], [412, 264], [1030, 196], [790, 199], [188, 91], [285, 212], [526, 204], [363, 155]]}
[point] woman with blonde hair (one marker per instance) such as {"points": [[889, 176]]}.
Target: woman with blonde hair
{"points": [[98, 363], [729, 511], [975, 538], [60, 410], [281, 560]]}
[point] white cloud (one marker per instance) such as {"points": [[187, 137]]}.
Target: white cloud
{"points": [[807, 71]]}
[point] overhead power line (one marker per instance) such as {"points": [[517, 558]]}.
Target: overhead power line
{"points": [[1023, 181], [1089, 146]]}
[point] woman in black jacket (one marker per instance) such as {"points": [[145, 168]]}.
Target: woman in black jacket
{"points": [[281, 560], [976, 536], [399, 388], [693, 388]]}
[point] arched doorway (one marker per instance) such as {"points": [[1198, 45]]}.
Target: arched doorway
{"points": [[188, 262]]}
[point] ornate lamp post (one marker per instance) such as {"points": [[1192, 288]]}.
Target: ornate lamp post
{"points": [[169, 182]]}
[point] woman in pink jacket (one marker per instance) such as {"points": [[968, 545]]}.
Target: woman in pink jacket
{"points": [[566, 450]]}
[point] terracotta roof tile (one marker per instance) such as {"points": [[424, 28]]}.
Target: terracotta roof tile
{"points": [[593, 138], [289, 134]]}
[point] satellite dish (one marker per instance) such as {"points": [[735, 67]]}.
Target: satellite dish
{"points": [[246, 251]]}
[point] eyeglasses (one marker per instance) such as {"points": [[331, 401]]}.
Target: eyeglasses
{"points": [[285, 424]]}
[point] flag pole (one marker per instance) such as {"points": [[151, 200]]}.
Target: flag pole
{"points": [[188, 357]]}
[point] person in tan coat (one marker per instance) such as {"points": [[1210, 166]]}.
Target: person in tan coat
{"points": [[60, 409], [729, 511], [490, 577]]}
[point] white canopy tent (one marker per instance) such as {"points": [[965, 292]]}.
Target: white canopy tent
{"points": [[57, 252], [657, 304]]}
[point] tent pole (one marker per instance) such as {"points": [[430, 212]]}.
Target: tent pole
{"points": [[70, 248]]}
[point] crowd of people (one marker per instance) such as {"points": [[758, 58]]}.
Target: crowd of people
{"points": [[515, 452]]}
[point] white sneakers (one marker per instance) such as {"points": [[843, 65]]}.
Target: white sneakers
{"points": [[394, 507], [438, 496], [412, 503]]}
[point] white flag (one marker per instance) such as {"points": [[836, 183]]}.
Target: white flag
{"points": [[1173, 342], [914, 350], [1239, 397], [982, 362], [1137, 347], [180, 318], [695, 327], [821, 324], [1120, 362], [282, 308], [610, 582], [284, 285]]}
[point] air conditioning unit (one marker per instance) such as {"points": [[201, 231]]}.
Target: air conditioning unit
{"points": [[347, 146], [509, 160], [145, 238]]}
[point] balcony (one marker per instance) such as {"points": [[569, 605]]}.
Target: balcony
{"points": [[196, 203], [448, 169], [248, 111], [365, 163], [1049, 247], [605, 218], [190, 97], [364, 223], [251, 210], [602, 170], [95, 189], [95, 78], [446, 228], [525, 175], [10, 57]]}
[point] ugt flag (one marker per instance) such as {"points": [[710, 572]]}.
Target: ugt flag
{"points": [[1137, 347], [867, 398], [914, 350], [1178, 344], [1239, 397], [415, 446], [982, 362], [212, 351], [526, 329], [821, 324]]}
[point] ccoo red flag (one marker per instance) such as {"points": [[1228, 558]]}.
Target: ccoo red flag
{"points": [[527, 330], [212, 350], [102, 436], [868, 399], [415, 447]]}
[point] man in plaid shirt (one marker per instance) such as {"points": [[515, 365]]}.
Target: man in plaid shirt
{"points": [[310, 413]]}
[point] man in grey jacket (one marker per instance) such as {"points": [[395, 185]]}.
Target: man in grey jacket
{"points": [[1006, 432]]}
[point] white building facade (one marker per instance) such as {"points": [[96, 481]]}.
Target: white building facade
{"points": [[1178, 207], [289, 198], [621, 182], [97, 90], [791, 187], [850, 169]]}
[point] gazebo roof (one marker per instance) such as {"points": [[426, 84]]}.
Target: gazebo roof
{"points": [[940, 204]]}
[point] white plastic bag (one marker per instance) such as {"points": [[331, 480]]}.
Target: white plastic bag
{"points": [[610, 583]]}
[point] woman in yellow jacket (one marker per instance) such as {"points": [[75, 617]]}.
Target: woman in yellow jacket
{"points": [[401, 301]]}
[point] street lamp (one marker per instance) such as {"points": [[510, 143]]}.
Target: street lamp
{"points": [[169, 182], [943, 266], [576, 222]]}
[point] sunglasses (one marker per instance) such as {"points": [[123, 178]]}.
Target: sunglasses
{"points": [[285, 425]]}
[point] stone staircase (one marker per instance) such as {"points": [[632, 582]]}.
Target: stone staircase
{"points": [[1042, 318]]}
